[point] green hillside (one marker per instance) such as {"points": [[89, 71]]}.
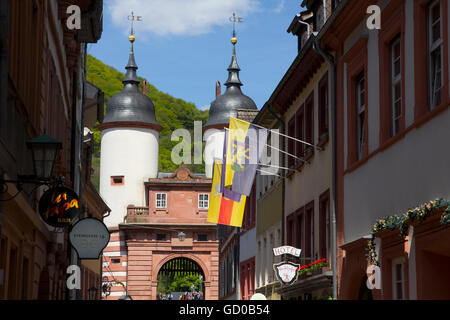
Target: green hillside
{"points": [[172, 113]]}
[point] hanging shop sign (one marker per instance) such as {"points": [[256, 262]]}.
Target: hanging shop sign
{"points": [[89, 237], [58, 206], [286, 272], [287, 250]]}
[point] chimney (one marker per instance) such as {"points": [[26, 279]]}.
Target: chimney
{"points": [[145, 87], [218, 89]]}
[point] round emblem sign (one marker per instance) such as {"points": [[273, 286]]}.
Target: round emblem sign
{"points": [[58, 206], [89, 237]]}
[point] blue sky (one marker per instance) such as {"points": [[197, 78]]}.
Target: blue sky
{"points": [[183, 46]]}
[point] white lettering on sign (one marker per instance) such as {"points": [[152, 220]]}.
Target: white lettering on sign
{"points": [[287, 250]]}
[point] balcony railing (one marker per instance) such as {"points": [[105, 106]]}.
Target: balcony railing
{"points": [[137, 215]]}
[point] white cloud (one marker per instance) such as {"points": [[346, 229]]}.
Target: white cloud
{"points": [[178, 17], [280, 6], [205, 107]]}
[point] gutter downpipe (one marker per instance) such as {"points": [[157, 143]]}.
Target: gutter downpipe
{"points": [[305, 23], [330, 59], [283, 183]]}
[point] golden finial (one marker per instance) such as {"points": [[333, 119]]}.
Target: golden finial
{"points": [[133, 18], [234, 19]]}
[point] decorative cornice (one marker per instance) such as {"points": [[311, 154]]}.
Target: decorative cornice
{"points": [[130, 124]]}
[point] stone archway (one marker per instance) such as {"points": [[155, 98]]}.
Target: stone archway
{"points": [[180, 277]]}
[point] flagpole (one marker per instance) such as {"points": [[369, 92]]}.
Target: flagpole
{"points": [[289, 154], [304, 161], [270, 173], [284, 135], [284, 168]]}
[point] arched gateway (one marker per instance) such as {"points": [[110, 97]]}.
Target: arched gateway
{"points": [[180, 278]]}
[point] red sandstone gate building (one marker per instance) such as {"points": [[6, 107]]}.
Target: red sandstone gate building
{"points": [[149, 237]]}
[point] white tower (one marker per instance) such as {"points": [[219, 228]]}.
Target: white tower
{"points": [[224, 107], [129, 147]]}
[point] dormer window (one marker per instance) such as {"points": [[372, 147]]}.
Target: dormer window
{"points": [[320, 17]]}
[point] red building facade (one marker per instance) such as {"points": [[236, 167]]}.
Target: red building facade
{"points": [[172, 227]]}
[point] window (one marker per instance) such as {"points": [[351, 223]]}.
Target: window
{"points": [[398, 279], [360, 114], [290, 223], [12, 270], [203, 201], [300, 132], [309, 231], [161, 200], [115, 261], [202, 237], [324, 225], [323, 107], [396, 86], [300, 231], [117, 180], [161, 237], [435, 53], [309, 123], [290, 143]]}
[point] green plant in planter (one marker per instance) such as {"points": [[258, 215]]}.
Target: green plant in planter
{"points": [[401, 222], [319, 264]]}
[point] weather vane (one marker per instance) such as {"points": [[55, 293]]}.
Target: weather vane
{"points": [[235, 19], [133, 18]]}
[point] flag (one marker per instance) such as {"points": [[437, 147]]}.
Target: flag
{"points": [[222, 210], [244, 145]]}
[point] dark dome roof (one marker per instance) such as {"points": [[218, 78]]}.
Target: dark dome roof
{"points": [[227, 104], [130, 104]]}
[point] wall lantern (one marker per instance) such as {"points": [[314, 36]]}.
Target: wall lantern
{"points": [[44, 150], [181, 236], [92, 293]]}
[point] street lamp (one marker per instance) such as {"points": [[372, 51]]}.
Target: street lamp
{"points": [[181, 236], [44, 150], [92, 293]]}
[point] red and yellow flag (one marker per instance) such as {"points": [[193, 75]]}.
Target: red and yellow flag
{"points": [[222, 210]]}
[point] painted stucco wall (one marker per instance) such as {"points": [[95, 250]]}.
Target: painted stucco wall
{"points": [[247, 247], [213, 149], [314, 178], [132, 153], [412, 172], [268, 208], [265, 242]]}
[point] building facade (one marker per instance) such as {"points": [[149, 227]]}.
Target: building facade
{"points": [[42, 72], [269, 212], [392, 101]]}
